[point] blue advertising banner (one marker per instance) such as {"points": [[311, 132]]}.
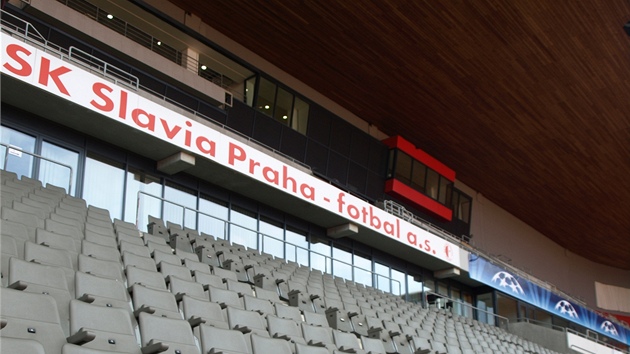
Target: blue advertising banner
{"points": [[522, 289]]}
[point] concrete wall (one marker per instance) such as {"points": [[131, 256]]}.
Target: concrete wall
{"points": [[547, 337], [500, 233]]}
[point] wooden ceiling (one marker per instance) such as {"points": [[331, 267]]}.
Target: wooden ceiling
{"points": [[529, 101]]}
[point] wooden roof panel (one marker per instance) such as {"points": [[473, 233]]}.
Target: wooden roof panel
{"points": [[528, 101]]}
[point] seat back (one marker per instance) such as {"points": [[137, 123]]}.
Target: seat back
{"points": [[209, 312], [20, 345], [101, 291], [154, 301], [217, 340], [133, 260], [107, 328], [175, 334], [373, 345], [30, 316], [265, 345], [145, 277], [180, 287], [99, 251], [280, 327], [105, 268], [225, 297], [246, 321]]}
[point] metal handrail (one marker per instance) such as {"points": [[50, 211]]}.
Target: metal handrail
{"points": [[396, 209], [542, 324], [104, 67], [88, 61], [226, 236], [27, 26], [103, 70], [10, 148], [501, 320], [145, 39]]}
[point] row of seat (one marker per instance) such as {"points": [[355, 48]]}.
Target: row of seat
{"points": [[150, 267], [198, 286]]}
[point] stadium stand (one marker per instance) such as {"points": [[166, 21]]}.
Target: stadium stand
{"points": [[107, 246], [123, 302]]}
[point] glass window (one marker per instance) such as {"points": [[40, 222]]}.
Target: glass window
{"points": [[55, 174], [432, 183], [180, 205], [300, 115], [446, 188], [415, 288], [271, 237], [442, 289], [390, 163], [21, 164], [486, 308], [456, 296], [382, 277], [455, 204], [467, 310], [150, 186], [341, 263], [320, 257], [543, 317], [213, 217], [250, 85], [403, 167], [284, 105], [266, 96], [296, 248], [507, 307], [464, 206], [243, 227], [398, 283], [418, 178], [103, 184], [362, 269]]}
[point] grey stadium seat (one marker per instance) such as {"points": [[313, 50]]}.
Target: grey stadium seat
{"points": [[41, 279], [197, 311], [221, 340], [246, 321], [154, 301], [103, 328], [32, 317], [20, 345], [265, 345], [169, 335], [101, 291]]}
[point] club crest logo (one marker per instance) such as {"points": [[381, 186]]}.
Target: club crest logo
{"points": [[507, 280], [448, 250], [565, 308]]}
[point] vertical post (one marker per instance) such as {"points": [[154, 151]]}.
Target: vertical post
{"points": [[190, 60], [6, 158]]}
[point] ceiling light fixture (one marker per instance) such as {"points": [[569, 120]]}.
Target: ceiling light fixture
{"points": [[285, 117], [159, 42], [203, 67], [266, 106], [110, 16]]}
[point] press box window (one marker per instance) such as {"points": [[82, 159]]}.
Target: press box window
{"points": [[279, 103], [419, 179]]}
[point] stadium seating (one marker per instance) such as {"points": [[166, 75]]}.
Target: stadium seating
{"points": [[76, 282]]}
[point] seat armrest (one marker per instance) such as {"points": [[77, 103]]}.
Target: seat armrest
{"points": [[154, 347], [81, 337]]}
